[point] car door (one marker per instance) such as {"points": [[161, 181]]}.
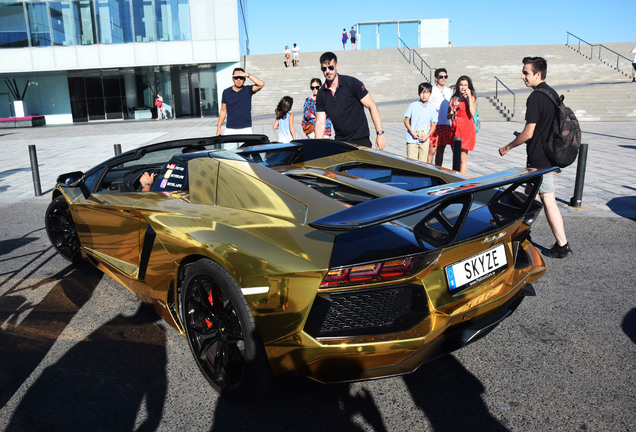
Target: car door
{"points": [[108, 227], [106, 220]]}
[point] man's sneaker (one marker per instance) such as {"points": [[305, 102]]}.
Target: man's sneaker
{"points": [[557, 251]]}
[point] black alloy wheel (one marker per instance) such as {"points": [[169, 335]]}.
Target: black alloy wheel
{"points": [[61, 230], [221, 331]]}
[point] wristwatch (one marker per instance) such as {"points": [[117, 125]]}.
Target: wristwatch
{"points": [[249, 75], [146, 184], [380, 132]]}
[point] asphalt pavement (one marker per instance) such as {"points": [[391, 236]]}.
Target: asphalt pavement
{"points": [[78, 352]]}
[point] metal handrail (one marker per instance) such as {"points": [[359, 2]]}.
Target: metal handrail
{"points": [[514, 96], [627, 67], [618, 58], [411, 59], [421, 66], [403, 48], [567, 42]]}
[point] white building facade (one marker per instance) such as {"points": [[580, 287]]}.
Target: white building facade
{"points": [[93, 60]]}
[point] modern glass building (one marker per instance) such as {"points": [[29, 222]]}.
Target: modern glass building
{"points": [[92, 60]]}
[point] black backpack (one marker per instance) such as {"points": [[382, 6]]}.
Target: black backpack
{"points": [[564, 140]]}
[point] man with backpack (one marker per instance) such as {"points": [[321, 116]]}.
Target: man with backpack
{"points": [[540, 115]]}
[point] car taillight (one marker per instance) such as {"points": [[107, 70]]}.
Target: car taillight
{"points": [[373, 272]]}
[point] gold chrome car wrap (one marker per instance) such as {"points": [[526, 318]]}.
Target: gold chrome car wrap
{"points": [[278, 231]]}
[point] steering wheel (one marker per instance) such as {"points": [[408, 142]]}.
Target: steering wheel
{"points": [[131, 180]]}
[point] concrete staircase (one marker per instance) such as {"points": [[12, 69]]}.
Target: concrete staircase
{"points": [[593, 89]]}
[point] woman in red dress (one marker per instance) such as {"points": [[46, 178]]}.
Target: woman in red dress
{"points": [[461, 109]]}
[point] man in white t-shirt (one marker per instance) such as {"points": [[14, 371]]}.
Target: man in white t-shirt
{"points": [[443, 136], [295, 53]]}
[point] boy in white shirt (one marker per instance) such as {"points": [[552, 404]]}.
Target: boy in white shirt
{"points": [[420, 119]]}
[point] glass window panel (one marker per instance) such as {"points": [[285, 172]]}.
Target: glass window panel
{"points": [[409, 33], [207, 90], [388, 33], [13, 30], [84, 22], [38, 24], [61, 22], [114, 21], [144, 20], [173, 19]]}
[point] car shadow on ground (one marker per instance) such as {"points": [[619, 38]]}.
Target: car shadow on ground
{"points": [[448, 395], [308, 406], [105, 382], [28, 330]]}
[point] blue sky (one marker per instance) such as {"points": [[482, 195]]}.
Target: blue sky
{"points": [[316, 26]]}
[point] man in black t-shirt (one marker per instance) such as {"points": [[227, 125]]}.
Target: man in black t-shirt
{"points": [[540, 112], [343, 98]]}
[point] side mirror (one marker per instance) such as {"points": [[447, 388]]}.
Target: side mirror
{"points": [[75, 179]]}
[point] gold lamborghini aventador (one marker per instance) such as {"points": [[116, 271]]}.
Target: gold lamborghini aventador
{"points": [[316, 256]]}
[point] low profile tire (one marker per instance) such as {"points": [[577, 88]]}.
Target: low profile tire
{"points": [[221, 332], [61, 230]]}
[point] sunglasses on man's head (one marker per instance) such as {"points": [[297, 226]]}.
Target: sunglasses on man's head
{"points": [[330, 67], [238, 77], [314, 87]]}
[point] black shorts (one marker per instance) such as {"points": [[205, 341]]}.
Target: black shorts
{"points": [[634, 66]]}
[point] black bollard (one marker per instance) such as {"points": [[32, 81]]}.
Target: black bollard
{"points": [[117, 149], [457, 153], [35, 170], [575, 201]]}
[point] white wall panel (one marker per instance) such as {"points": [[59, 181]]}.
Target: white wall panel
{"points": [[204, 51], [175, 52], [202, 19], [434, 33], [146, 54], [42, 59], [16, 60], [227, 50], [224, 27], [65, 57], [116, 55]]}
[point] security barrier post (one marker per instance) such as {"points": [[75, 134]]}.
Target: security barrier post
{"points": [[35, 170], [575, 201]]}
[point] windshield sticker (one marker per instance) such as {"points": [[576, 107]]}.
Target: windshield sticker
{"points": [[174, 178]]}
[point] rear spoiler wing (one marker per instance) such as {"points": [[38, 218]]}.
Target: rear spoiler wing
{"points": [[387, 209]]}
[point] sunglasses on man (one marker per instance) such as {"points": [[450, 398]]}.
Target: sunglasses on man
{"points": [[324, 68], [238, 77]]}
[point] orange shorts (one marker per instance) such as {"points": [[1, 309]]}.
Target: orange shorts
{"points": [[443, 135]]}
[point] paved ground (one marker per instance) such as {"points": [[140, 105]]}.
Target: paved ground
{"points": [[77, 352], [608, 189]]}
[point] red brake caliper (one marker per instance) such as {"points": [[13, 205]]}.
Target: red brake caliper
{"points": [[211, 300]]}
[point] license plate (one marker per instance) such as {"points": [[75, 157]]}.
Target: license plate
{"points": [[464, 274]]}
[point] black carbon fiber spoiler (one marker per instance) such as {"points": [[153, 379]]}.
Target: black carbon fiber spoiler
{"points": [[382, 210]]}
